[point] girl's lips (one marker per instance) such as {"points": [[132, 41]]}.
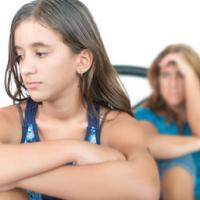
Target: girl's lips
{"points": [[32, 85]]}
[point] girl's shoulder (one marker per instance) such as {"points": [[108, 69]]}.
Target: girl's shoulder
{"points": [[11, 123], [120, 125]]}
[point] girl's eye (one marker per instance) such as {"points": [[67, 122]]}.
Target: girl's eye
{"points": [[18, 58], [41, 54]]}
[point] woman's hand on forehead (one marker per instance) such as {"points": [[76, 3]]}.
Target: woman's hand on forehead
{"points": [[170, 59], [178, 60]]}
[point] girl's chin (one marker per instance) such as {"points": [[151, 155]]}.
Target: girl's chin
{"points": [[37, 98]]}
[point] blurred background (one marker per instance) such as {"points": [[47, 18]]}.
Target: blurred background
{"points": [[133, 31]]}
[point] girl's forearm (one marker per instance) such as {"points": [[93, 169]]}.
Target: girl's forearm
{"points": [[106, 181], [19, 161]]}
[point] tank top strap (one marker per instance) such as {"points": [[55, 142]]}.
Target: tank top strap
{"points": [[93, 133], [29, 129]]}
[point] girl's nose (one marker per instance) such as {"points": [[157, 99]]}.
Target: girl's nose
{"points": [[27, 67]]}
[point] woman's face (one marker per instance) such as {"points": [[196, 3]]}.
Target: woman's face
{"points": [[48, 66], [171, 84]]}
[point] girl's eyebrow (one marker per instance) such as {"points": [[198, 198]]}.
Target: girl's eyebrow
{"points": [[40, 44], [34, 45], [18, 47]]}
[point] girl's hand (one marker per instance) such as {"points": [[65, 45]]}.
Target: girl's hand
{"points": [[91, 154], [7, 187]]}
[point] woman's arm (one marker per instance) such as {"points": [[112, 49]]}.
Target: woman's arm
{"points": [[168, 146], [192, 88], [136, 178]]}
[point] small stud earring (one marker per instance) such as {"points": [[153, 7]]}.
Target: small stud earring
{"points": [[80, 73]]}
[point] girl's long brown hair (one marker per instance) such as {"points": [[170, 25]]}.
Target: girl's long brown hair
{"points": [[73, 21]]}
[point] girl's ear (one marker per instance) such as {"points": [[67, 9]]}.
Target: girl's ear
{"points": [[85, 61]]}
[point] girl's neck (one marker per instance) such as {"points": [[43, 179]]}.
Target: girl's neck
{"points": [[62, 108]]}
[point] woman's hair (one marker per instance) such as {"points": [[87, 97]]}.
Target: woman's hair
{"points": [[73, 21], [155, 102]]}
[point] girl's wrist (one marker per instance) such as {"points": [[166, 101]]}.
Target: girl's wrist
{"points": [[75, 150]]}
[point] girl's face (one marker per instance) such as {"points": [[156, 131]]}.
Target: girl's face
{"points": [[172, 85], [48, 66]]}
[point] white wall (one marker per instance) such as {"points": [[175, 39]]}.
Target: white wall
{"points": [[134, 31]]}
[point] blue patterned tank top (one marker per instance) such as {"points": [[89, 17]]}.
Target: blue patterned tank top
{"points": [[30, 134]]}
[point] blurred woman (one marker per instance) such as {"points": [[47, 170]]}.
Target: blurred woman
{"points": [[170, 117]]}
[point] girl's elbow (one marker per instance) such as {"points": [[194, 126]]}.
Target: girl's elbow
{"points": [[151, 191], [147, 190], [147, 183]]}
